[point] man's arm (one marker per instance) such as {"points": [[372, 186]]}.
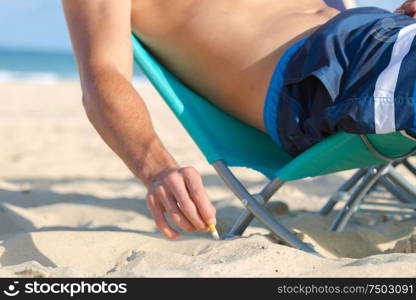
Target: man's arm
{"points": [[100, 33]]}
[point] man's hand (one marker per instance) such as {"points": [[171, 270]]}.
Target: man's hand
{"points": [[408, 8], [180, 194]]}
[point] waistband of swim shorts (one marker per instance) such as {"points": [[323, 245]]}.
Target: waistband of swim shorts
{"points": [[273, 94]]}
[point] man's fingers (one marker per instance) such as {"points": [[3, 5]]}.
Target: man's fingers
{"points": [[412, 9], [172, 209], [408, 8], [180, 194], [178, 189], [160, 220], [198, 194]]}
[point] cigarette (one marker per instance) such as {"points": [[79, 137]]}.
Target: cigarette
{"points": [[214, 232]]}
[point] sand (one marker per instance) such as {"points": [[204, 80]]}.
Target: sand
{"points": [[69, 207]]}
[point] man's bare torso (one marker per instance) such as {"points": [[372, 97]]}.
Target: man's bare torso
{"points": [[226, 50]]}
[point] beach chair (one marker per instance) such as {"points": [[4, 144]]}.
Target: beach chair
{"points": [[227, 142]]}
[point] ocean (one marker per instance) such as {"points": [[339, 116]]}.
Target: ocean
{"points": [[49, 67], [40, 67]]}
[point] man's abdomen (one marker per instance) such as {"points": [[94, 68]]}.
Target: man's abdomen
{"points": [[226, 50]]}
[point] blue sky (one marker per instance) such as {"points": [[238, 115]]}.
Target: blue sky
{"points": [[33, 25], [40, 25], [387, 4]]}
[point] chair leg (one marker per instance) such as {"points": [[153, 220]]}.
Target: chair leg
{"points": [[344, 188], [389, 208], [258, 210], [357, 197], [241, 223], [395, 177], [409, 166], [245, 217], [395, 190]]}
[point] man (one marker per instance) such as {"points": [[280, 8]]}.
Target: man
{"points": [[225, 50]]}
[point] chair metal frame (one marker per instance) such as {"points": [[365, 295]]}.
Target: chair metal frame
{"points": [[254, 207], [356, 188], [362, 183]]}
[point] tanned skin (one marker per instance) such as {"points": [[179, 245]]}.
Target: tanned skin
{"points": [[225, 50]]}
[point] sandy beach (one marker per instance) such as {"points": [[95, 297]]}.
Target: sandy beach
{"points": [[69, 207]]}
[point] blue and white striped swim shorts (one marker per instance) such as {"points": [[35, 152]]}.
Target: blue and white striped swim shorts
{"points": [[356, 73]]}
